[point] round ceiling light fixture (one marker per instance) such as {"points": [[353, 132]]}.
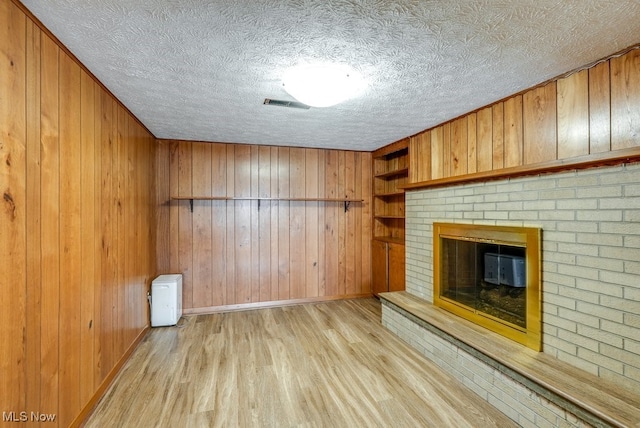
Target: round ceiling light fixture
{"points": [[322, 85]]}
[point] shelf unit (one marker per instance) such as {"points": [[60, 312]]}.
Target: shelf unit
{"points": [[346, 201], [390, 174]]}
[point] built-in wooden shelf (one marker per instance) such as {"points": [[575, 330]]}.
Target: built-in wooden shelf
{"points": [[580, 162], [390, 217], [191, 198], [391, 239], [394, 173], [389, 194]]}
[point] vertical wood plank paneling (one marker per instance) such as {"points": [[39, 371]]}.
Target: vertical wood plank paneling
{"points": [[283, 224], [275, 223], [484, 142], [331, 224], [33, 220], [539, 112], [420, 157], [342, 224], [297, 226], [255, 232], [98, 238], [513, 132], [202, 225], [625, 100], [573, 115], [321, 225], [472, 146], [459, 146], [498, 135], [121, 185], [185, 247], [446, 150], [599, 108], [437, 153], [50, 267], [219, 225], [77, 299], [356, 220], [230, 292], [174, 208], [264, 221], [367, 232], [163, 204], [88, 236], [70, 239], [242, 218], [350, 226], [312, 210], [13, 293]]}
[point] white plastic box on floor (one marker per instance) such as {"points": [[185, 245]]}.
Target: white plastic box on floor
{"points": [[166, 300]]}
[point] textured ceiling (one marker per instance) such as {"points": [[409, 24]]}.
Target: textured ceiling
{"points": [[200, 69]]}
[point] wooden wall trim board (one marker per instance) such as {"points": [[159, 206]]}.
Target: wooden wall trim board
{"points": [[77, 219], [298, 244], [587, 118]]}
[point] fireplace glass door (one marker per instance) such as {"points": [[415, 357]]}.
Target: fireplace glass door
{"points": [[489, 278], [490, 275]]}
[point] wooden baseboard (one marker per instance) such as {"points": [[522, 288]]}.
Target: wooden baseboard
{"points": [[88, 408], [271, 304]]}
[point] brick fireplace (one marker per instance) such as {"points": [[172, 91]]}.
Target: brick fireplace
{"points": [[590, 273]]}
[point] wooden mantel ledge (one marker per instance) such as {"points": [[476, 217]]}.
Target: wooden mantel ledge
{"points": [[616, 157], [596, 400]]}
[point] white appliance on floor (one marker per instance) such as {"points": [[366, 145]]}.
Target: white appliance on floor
{"points": [[166, 300]]}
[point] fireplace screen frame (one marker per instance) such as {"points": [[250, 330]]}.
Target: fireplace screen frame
{"points": [[526, 237]]}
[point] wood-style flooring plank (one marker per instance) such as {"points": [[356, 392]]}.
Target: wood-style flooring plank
{"points": [[324, 364]]}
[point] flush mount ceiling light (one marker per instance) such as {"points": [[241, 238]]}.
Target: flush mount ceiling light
{"points": [[322, 85]]}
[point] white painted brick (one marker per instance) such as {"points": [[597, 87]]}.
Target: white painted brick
{"points": [[575, 248], [579, 362], [578, 294], [557, 237], [632, 320], [579, 318], [509, 206], [594, 216], [620, 203], [523, 215], [564, 302], [558, 194], [620, 228], [539, 205], [577, 204], [579, 271], [620, 253], [625, 331], [596, 286], [599, 335], [600, 262], [627, 305], [578, 340], [600, 239], [619, 278], [600, 192], [632, 241], [561, 345], [618, 354], [578, 181], [631, 190], [631, 216], [557, 215], [600, 360], [611, 314]]}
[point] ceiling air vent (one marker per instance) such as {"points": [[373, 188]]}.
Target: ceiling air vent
{"points": [[282, 103]]}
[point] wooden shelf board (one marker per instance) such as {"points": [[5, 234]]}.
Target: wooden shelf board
{"points": [[390, 239], [256, 198], [389, 194], [391, 217], [394, 173], [582, 162]]}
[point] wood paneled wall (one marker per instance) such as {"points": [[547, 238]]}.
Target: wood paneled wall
{"points": [[248, 252], [77, 234], [592, 111]]}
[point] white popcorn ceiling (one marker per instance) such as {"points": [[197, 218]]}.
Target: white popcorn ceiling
{"points": [[200, 69]]}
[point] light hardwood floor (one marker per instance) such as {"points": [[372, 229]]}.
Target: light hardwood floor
{"points": [[326, 364]]}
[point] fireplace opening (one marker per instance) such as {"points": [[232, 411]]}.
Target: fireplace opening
{"points": [[490, 275]]}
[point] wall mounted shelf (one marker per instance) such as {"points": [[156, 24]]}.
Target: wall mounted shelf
{"points": [[347, 201]]}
